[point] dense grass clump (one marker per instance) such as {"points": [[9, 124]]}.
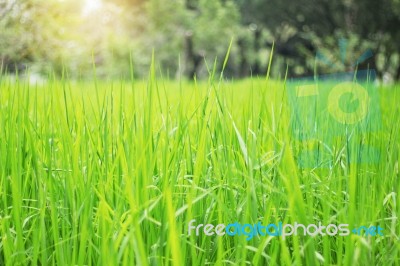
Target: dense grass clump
{"points": [[111, 173]]}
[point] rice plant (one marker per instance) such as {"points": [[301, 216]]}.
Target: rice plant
{"points": [[111, 173]]}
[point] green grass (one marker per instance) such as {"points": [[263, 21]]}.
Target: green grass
{"points": [[111, 174]]}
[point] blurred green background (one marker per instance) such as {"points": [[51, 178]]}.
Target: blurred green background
{"points": [[188, 35]]}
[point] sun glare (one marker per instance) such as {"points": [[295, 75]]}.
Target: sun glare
{"points": [[91, 6]]}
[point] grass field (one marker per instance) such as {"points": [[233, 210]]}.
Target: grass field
{"points": [[111, 173]]}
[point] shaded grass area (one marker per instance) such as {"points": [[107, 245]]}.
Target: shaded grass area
{"points": [[111, 173]]}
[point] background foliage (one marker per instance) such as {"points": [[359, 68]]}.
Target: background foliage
{"points": [[186, 35]]}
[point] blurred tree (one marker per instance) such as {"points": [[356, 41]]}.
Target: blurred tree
{"points": [[213, 23], [53, 35], [30, 31], [300, 27], [183, 33]]}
